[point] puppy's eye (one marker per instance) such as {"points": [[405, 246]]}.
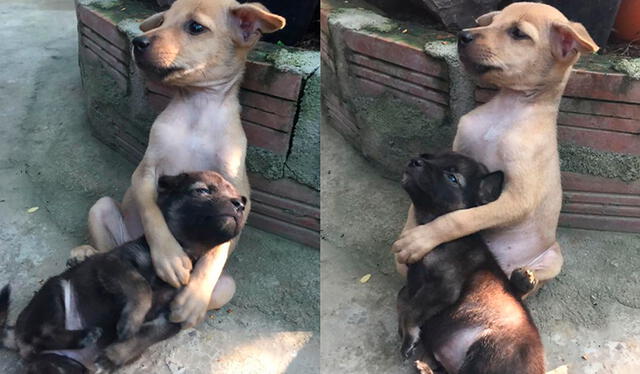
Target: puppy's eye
{"points": [[452, 178], [202, 191], [194, 28], [517, 34]]}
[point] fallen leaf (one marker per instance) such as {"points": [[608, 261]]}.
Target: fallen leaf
{"points": [[365, 278], [33, 210]]}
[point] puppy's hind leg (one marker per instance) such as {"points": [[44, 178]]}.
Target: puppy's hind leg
{"points": [[124, 352], [408, 325], [125, 283]]}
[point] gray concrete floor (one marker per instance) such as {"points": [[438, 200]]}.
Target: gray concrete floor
{"points": [[48, 159], [589, 317]]}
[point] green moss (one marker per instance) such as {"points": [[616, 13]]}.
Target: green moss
{"points": [[294, 60], [362, 19], [630, 66], [585, 160], [392, 131], [119, 10], [461, 87], [266, 163], [303, 162]]}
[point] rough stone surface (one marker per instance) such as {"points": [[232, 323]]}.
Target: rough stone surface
{"points": [[630, 66], [303, 162], [392, 131], [460, 14], [48, 159], [592, 309]]}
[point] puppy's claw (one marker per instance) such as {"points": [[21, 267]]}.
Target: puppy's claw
{"points": [[524, 280], [79, 254]]}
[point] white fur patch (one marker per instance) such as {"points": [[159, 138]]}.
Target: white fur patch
{"points": [[72, 318]]}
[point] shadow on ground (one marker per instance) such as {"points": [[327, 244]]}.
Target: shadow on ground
{"points": [[49, 160], [589, 316]]}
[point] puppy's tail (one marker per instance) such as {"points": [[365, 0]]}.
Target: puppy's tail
{"points": [[6, 331]]}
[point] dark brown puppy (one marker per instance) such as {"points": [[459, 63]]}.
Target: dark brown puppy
{"points": [[457, 300], [112, 307]]}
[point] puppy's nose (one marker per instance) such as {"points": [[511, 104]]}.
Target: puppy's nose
{"points": [[238, 204], [141, 42], [417, 162], [465, 37]]}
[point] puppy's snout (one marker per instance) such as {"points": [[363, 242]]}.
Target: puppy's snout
{"points": [[238, 204], [417, 162], [465, 37], [141, 43]]}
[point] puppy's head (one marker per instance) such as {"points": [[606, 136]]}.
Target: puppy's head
{"points": [[525, 46], [442, 183], [201, 209], [201, 42]]}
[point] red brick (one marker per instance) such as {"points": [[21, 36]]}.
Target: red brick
{"points": [[121, 54], [408, 88], [159, 88], [287, 230], [603, 108], [339, 116], [603, 86], [264, 137], [599, 122], [602, 223], [285, 188], [394, 52], [607, 141], [267, 103], [431, 109], [103, 26], [602, 209], [264, 78], [581, 182], [266, 119], [286, 210], [105, 56], [598, 197], [121, 80], [400, 72], [157, 102]]}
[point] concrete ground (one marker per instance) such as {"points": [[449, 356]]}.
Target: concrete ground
{"points": [[49, 160], [589, 317]]}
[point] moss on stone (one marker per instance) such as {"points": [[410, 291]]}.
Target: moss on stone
{"points": [[119, 10], [630, 66], [295, 60], [303, 162], [585, 160], [393, 131], [266, 163]]}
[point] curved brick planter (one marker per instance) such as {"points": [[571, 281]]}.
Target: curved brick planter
{"points": [[281, 113], [392, 100]]}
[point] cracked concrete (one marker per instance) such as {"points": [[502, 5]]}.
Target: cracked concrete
{"points": [[589, 317], [49, 160]]}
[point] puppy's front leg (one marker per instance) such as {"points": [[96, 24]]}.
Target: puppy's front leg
{"points": [[519, 197], [191, 304], [169, 260]]}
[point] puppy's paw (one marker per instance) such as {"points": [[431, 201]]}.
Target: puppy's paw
{"points": [[408, 347], [423, 368], [113, 357], [79, 254], [127, 327], [524, 280], [91, 338]]}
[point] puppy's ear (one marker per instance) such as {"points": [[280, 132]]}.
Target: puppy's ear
{"points": [[490, 187], [168, 183], [152, 22], [569, 38], [249, 20], [486, 19]]}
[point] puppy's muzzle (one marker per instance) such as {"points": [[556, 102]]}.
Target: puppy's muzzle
{"points": [[140, 43], [238, 204], [465, 38]]}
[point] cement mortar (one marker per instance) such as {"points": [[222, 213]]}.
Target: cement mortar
{"points": [[303, 163], [585, 160]]}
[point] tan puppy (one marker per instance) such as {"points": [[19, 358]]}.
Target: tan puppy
{"points": [[527, 51], [199, 47]]}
